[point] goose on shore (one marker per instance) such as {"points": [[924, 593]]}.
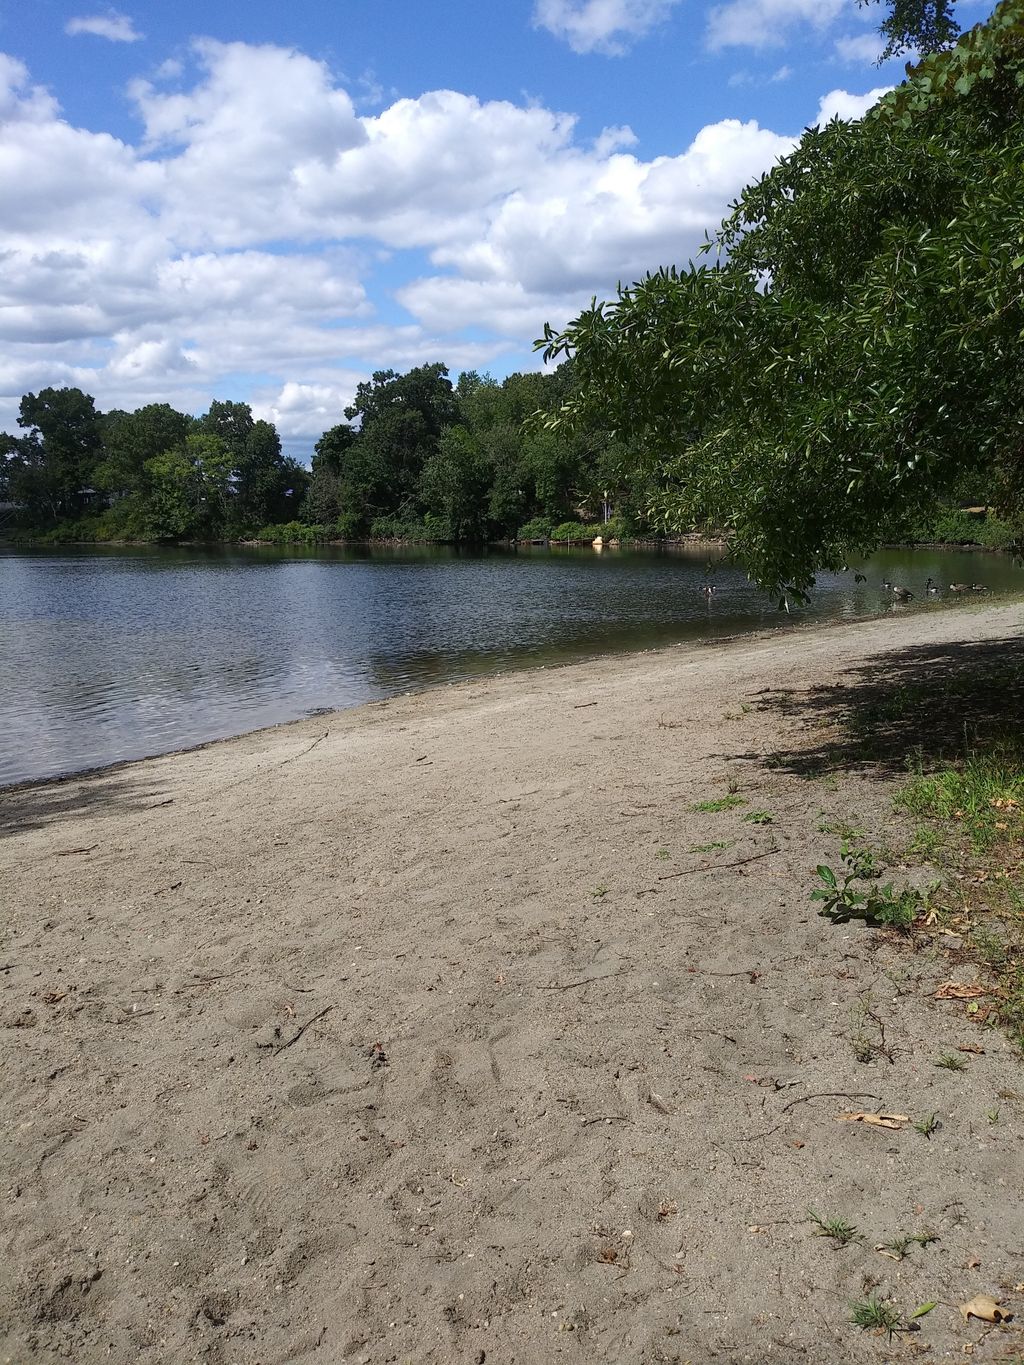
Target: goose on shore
{"points": [[901, 594], [960, 587], [978, 587]]}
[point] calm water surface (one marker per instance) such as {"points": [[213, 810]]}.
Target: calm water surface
{"points": [[107, 655]]}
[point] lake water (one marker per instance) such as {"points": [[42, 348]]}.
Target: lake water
{"points": [[112, 654]]}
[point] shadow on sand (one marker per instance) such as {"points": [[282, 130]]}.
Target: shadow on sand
{"points": [[104, 792], [920, 706]]}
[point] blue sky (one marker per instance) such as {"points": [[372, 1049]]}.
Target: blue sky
{"points": [[267, 201]]}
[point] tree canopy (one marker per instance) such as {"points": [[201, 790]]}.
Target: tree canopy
{"points": [[419, 458], [154, 474], [850, 354]]}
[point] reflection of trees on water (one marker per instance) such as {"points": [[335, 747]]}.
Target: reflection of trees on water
{"points": [[101, 658]]}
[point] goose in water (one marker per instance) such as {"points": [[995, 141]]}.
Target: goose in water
{"points": [[978, 587], [886, 584], [901, 594], [708, 590], [932, 588]]}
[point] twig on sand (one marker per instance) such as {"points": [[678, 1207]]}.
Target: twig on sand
{"points": [[67, 852], [818, 1095], [606, 1118], [752, 972], [296, 1036], [203, 981], [304, 752], [582, 704], [572, 985], [717, 867], [831, 1095]]}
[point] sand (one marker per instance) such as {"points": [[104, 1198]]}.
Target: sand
{"points": [[419, 1032]]}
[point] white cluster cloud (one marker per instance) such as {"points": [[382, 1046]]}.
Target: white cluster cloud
{"points": [[841, 104], [118, 28], [246, 241], [765, 23], [600, 25], [860, 47]]}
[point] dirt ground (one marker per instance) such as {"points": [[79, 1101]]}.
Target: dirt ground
{"points": [[446, 1030]]}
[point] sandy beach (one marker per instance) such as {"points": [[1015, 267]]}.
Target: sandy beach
{"points": [[447, 1030]]}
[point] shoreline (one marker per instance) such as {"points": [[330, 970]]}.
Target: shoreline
{"points": [[967, 604], [691, 540], [496, 1020]]}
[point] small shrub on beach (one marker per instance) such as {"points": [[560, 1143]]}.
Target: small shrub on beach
{"points": [[885, 907]]}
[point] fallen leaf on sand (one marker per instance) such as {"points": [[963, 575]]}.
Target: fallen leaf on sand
{"points": [[895, 1121], [668, 1208], [971, 1047], [960, 990], [983, 1306], [756, 1227], [658, 1103]]}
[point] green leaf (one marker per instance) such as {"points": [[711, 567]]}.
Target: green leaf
{"points": [[922, 1309]]}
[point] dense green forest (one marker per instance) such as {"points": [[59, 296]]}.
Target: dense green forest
{"points": [[847, 361], [416, 458]]}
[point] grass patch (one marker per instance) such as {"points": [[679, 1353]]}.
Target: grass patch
{"points": [[838, 1229], [983, 798], [721, 803], [711, 848], [759, 817], [874, 1314], [972, 822], [927, 842], [951, 1061]]}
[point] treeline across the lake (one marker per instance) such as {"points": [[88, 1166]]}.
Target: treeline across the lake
{"points": [[152, 474], [417, 458]]}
